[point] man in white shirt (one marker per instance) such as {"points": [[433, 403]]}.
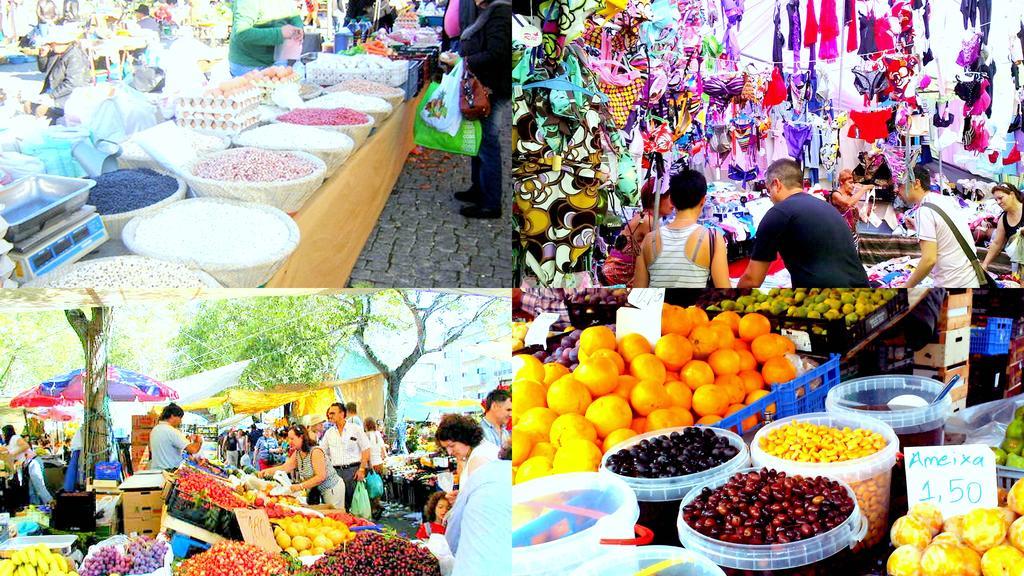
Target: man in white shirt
{"points": [[167, 442], [942, 254], [497, 413], [348, 449]]}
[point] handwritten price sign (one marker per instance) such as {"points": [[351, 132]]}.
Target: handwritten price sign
{"points": [[957, 479]]}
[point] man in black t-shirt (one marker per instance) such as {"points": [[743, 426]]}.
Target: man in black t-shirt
{"points": [[815, 243]]}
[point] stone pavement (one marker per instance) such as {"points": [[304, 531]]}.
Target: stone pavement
{"points": [[421, 239]]}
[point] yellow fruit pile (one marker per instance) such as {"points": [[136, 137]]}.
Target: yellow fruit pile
{"points": [[302, 536], [519, 330], [36, 560], [806, 442], [985, 541], [698, 372]]}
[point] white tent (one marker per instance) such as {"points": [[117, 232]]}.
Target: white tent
{"points": [[207, 384]]}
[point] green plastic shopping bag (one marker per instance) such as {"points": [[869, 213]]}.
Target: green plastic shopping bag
{"points": [[466, 141], [361, 502]]}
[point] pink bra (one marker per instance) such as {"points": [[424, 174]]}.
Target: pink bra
{"points": [[610, 71]]}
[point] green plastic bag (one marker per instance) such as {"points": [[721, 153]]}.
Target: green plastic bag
{"points": [[466, 141], [361, 502]]}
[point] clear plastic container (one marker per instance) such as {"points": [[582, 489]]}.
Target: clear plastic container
{"points": [[659, 498], [915, 426], [60, 544], [650, 561], [870, 477], [558, 521], [765, 557]]}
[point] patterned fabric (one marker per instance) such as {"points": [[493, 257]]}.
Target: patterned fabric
{"points": [[621, 99], [305, 470]]}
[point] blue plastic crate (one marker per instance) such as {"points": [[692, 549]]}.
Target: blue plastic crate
{"points": [[803, 394], [184, 546], [993, 339], [108, 471]]}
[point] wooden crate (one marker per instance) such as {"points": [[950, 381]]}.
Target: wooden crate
{"points": [[958, 394], [953, 348], [956, 311]]}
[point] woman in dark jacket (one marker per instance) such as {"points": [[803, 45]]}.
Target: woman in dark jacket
{"points": [[487, 52], [65, 65]]}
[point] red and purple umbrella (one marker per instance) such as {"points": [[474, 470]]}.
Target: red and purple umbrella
{"points": [[122, 386]]}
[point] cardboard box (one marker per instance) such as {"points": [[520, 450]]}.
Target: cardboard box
{"points": [[956, 311], [149, 527], [944, 374], [140, 437], [952, 348], [144, 422]]}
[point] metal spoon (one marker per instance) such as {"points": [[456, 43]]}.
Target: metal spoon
{"points": [[911, 401]]}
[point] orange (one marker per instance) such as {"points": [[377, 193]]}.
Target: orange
{"points": [[648, 367], [669, 418], [577, 455], [567, 396], [675, 320], [680, 394], [778, 370], [569, 426], [673, 350], [536, 421], [697, 373], [790, 345], [747, 360], [752, 380], [698, 316], [709, 400], [753, 325], [595, 338], [609, 413], [532, 368], [724, 333], [599, 375], [757, 395], [709, 420], [617, 437], [724, 362], [670, 376], [748, 422], [648, 396], [639, 425], [613, 356], [768, 346], [522, 445], [536, 467], [553, 371], [733, 386], [624, 386], [729, 318], [739, 345], [633, 345], [527, 394], [705, 341], [545, 449]]}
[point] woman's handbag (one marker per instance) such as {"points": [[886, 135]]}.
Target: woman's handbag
{"points": [[474, 98]]}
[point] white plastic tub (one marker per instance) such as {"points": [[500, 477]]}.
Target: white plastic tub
{"points": [[650, 561], [914, 427], [658, 498], [765, 557], [595, 506], [870, 477]]}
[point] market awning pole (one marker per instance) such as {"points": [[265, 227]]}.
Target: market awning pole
{"points": [[842, 57]]}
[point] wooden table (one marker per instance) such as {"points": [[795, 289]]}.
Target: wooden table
{"points": [[338, 219]]}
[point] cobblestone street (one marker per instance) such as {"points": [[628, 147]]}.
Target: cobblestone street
{"points": [[421, 239]]}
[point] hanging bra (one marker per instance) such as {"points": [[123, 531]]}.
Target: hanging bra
{"points": [[968, 90], [720, 141], [870, 83], [743, 132], [740, 175], [611, 71], [941, 122], [722, 89]]}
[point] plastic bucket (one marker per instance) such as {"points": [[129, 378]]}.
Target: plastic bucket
{"points": [[914, 427], [658, 498], [650, 561], [870, 477], [763, 557], [559, 522]]}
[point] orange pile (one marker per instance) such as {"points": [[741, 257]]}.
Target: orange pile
{"points": [[698, 372]]}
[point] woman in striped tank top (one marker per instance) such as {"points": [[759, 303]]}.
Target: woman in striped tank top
{"points": [[310, 464], [683, 254]]}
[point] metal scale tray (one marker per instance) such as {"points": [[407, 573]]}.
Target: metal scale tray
{"points": [[32, 202]]}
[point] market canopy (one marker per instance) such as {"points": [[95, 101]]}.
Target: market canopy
{"points": [[203, 385], [123, 385], [365, 391], [466, 404]]}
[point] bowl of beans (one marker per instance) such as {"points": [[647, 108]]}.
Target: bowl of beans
{"points": [[355, 124], [284, 180], [379, 108], [331, 146], [121, 195], [858, 450], [664, 465], [393, 96], [764, 519]]}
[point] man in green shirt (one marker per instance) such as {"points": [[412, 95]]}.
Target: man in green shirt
{"points": [[257, 27]]}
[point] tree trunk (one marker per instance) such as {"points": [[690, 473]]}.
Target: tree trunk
{"points": [[94, 335]]}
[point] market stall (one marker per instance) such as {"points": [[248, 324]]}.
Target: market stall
{"points": [[619, 98], [775, 432]]}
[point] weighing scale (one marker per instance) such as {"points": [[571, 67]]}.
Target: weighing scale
{"points": [[64, 240]]}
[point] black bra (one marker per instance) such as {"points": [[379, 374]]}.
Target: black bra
{"points": [[968, 90], [871, 83], [941, 122]]}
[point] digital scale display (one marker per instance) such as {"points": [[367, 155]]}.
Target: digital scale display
{"points": [[60, 250]]}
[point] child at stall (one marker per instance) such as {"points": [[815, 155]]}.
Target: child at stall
{"points": [[433, 516]]}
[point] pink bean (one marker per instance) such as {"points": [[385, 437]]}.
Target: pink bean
{"points": [[324, 117], [254, 165]]}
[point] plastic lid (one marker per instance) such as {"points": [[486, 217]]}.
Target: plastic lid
{"points": [[667, 489], [558, 521], [650, 561], [879, 390], [848, 471], [772, 556]]}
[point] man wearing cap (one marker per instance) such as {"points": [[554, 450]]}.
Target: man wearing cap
{"points": [[144, 20], [65, 65], [348, 449]]}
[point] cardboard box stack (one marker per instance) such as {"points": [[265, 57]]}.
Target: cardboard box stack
{"points": [[142, 426], [142, 502], [948, 355]]}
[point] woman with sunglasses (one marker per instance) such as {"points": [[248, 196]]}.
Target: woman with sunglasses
{"points": [[1009, 199], [310, 462]]}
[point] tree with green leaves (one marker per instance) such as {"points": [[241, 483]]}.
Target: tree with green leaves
{"points": [[94, 335]]}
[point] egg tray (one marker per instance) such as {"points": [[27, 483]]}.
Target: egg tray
{"points": [[240, 101], [221, 127], [225, 116]]}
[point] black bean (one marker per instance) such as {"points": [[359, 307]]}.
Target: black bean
{"points": [[127, 190]]}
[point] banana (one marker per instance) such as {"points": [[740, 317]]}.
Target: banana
{"points": [[63, 564], [7, 568], [42, 566]]}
